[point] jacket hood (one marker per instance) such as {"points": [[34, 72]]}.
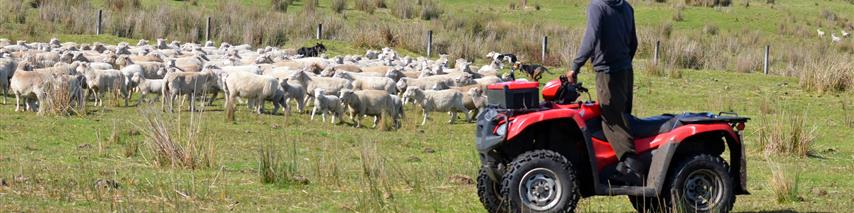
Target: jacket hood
{"points": [[614, 3]]}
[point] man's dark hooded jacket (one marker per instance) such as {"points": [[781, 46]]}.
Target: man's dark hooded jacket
{"points": [[610, 40]]}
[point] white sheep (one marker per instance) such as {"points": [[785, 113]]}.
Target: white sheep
{"points": [[369, 83], [329, 85], [101, 81], [375, 103], [29, 84], [326, 104], [423, 83], [187, 84], [439, 101], [255, 88], [7, 70]]}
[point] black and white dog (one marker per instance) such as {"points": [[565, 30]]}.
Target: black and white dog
{"points": [[509, 57], [314, 51]]}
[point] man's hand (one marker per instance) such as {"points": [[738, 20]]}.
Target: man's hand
{"points": [[572, 76]]}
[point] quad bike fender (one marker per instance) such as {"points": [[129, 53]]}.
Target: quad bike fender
{"points": [[669, 145], [522, 122]]}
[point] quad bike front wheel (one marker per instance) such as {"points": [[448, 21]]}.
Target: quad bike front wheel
{"points": [[488, 191], [540, 181], [700, 183]]}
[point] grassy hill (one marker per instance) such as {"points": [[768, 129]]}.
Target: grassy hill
{"points": [[51, 163]]}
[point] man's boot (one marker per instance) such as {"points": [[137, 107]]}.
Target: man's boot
{"points": [[630, 171]]}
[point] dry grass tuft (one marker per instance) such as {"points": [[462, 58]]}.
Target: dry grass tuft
{"points": [[783, 184], [172, 149], [830, 74], [338, 6], [274, 169], [786, 133]]}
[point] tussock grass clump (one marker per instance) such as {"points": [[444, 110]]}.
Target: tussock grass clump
{"points": [[430, 10], [368, 6], [338, 6], [281, 5], [830, 74], [404, 9], [784, 184], [375, 177], [273, 168], [748, 61], [686, 53], [310, 6], [786, 133], [173, 148]]}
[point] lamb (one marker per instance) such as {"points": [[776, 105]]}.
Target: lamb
{"points": [[148, 86], [398, 113], [368, 103], [326, 104], [101, 81], [255, 88], [294, 92], [187, 83], [369, 83], [442, 101], [474, 100]]}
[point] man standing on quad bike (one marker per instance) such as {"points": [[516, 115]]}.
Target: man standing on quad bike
{"points": [[611, 42]]}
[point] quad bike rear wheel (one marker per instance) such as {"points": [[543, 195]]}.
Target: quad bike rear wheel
{"points": [[540, 181], [488, 191], [699, 183]]}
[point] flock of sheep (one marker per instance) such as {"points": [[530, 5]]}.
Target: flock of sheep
{"points": [[833, 37], [376, 84]]}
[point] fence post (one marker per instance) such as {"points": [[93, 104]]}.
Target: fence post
{"points": [[655, 54], [545, 48], [429, 43], [208, 30], [98, 28], [767, 59], [319, 33]]}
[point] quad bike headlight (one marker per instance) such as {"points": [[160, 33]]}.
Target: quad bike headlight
{"points": [[501, 130]]}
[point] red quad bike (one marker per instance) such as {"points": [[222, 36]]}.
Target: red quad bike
{"points": [[544, 157]]}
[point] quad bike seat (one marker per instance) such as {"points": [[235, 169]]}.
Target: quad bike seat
{"points": [[640, 127], [651, 126], [655, 125]]}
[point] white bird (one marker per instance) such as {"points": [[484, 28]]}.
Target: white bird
{"points": [[820, 33], [845, 34], [835, 38]]}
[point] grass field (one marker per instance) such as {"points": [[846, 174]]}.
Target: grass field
{"points": [[56, 163]]}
